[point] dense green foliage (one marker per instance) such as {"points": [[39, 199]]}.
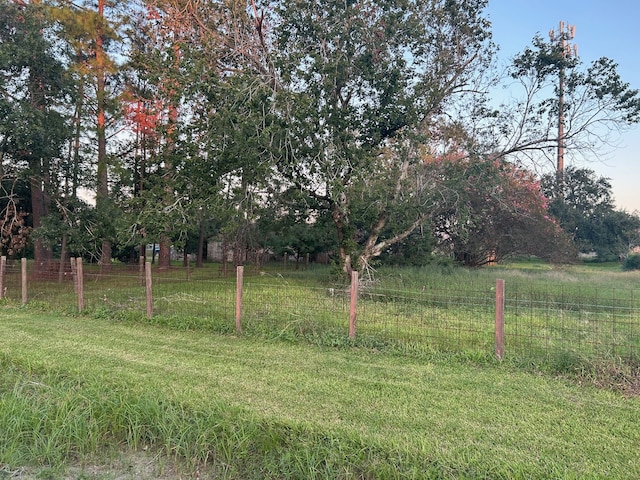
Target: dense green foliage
{"points": [[583, 205], [632, 262], [499, 213], [34, 87], [361, 130]]}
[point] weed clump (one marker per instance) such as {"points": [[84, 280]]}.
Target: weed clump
{"points": [[632, 262]]}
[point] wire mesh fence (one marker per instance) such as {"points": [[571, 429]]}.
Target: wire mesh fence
{"points": [[595, 322], [292, 308], [444, 318], [538, 321]]}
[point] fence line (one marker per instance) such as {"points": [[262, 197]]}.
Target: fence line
{"points": [[353, 305], [499, 325], [239, 279], [78, 281], [3, 275], [506, 320]]}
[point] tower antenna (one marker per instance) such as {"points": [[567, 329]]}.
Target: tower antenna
{"points": [[561, 38]]}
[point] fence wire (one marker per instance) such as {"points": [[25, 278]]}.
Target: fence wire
{"points": [[585, 320], [538, 321], [446, 319]]}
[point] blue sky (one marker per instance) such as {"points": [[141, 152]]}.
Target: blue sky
{"points": [[604, 28]]}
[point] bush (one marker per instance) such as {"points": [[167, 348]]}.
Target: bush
{"points": [[632, 262]]}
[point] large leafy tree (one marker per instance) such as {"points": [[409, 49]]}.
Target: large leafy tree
{"points": [[360, 86], [33, 87], [86, 36], [493, 210]]}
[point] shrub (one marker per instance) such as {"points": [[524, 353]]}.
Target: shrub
{"points": [[632, 262]]}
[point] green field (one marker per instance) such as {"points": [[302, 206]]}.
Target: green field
{"points": [[579, 312], [81, 395]]}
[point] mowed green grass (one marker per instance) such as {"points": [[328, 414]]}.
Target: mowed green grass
{"points": [[76, 389]]}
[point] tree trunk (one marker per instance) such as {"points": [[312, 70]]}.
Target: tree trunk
{"points": [[63, 258], [200, 255], [164, 255], [73, 166], [102, 190], [42, 254], [340, 221]]}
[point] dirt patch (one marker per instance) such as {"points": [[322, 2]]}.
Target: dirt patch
{"points": [[127, 466], [618, 377]]}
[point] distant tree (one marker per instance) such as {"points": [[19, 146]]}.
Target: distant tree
{"points": [[416, 250], [243, 132], [584, 207], [632, 262], [77, 223], [295, 228], [550, 85]]}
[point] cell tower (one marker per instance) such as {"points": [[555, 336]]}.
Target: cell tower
{"points": [[562, 38]]}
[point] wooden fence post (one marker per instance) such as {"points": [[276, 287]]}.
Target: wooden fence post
{"points": [[80, 283], [3, 274], [353, 305], [141, 269], [149, 289], [74, 274], [24, 281], [239, 278], [499, 329]]}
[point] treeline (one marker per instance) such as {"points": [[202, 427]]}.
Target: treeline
{"points": [[365, 129]]}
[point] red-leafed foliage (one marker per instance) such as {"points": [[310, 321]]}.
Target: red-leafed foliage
{"points": [[493, 210], [144, 116]]}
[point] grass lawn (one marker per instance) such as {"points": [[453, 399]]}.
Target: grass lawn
{"points": [[75, 391]]}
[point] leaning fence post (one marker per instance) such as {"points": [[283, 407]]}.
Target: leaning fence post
{"points": [[80, 283], [24, 281], [3, 274], [499, 330], [239, 275], [353, 305], [149, 289]]}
